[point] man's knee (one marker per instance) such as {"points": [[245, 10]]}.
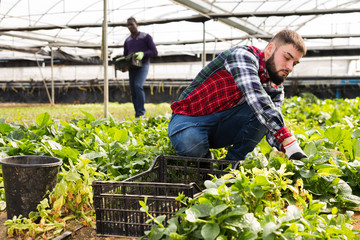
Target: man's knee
{"points": [[190, 142], [194, 149]]}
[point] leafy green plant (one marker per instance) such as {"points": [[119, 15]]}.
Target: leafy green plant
{"points": [[253, 204], [119, 149], [89, 147]]}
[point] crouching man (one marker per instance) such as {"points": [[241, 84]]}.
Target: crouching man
{"points": [[236, 100]]}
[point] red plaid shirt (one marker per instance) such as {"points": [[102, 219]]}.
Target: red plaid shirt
{"points": [[219, 93]]}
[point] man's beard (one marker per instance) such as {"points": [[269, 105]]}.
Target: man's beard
{"points": [[273, 74]]}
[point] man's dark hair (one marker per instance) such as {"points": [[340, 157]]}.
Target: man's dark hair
{"points": [[289, 37], [132, 19]]}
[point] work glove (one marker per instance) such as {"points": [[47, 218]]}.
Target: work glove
{"points": [[139, 55], [293, 151]]}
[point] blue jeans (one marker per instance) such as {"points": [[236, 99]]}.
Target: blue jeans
{"points": [[236, 128], [137, 78]]}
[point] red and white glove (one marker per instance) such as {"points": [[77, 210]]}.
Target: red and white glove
{"points": [[293, 151]]}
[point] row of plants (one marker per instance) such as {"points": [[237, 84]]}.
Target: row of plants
{"points": [[118, 149], [327, 182], [91, 149], [253, 204]]}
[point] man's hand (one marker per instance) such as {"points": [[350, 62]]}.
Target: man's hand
{"points": [[293, 151], [139, 55]]}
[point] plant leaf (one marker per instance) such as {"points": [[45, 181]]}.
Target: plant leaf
{"points": [[121, 135], [5, 128], [218, 209], [262, 180], [88, 115], [192, 214], [333, 134], [210, 231], [357, 148], [204, 210], [42, 119], [93, 155], [310, 149], [269, 229]]}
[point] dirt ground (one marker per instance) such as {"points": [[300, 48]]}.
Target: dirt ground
{"points": [[87, 233], [90, 233]]}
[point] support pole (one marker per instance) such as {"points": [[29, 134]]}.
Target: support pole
{"points": [[203, 53], [105, 59], [52, 78], [43, 79]]}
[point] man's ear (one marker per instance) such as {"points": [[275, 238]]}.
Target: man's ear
{"points": [[269, 50]]}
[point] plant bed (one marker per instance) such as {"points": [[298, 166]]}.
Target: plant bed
{"points": [[253, 204]]}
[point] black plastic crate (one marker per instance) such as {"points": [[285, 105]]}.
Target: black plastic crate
{"points": [[117, 205]]}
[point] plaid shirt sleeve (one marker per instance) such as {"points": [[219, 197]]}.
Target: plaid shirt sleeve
{"points": [[279, 100], [243, 66], [272, 140]]}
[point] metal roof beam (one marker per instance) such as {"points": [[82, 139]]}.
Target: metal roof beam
{"points": [[286, 13], [97, 46], [207, 9], [195, 18], [312, 52], [44, 38], [264, 37]]}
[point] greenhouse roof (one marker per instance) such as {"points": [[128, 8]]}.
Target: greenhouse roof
{"points": [[33, 26]]}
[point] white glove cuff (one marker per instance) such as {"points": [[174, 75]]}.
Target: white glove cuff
{"points": [[292, 148]]}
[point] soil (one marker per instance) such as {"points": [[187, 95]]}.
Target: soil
{"points": [[87, 233], [90, 233], [356, 221]]}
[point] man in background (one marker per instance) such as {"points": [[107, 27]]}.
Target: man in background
{"points": [[144, 48]]}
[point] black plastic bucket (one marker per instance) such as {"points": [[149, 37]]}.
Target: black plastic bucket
{"points": [[26, 181]]}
